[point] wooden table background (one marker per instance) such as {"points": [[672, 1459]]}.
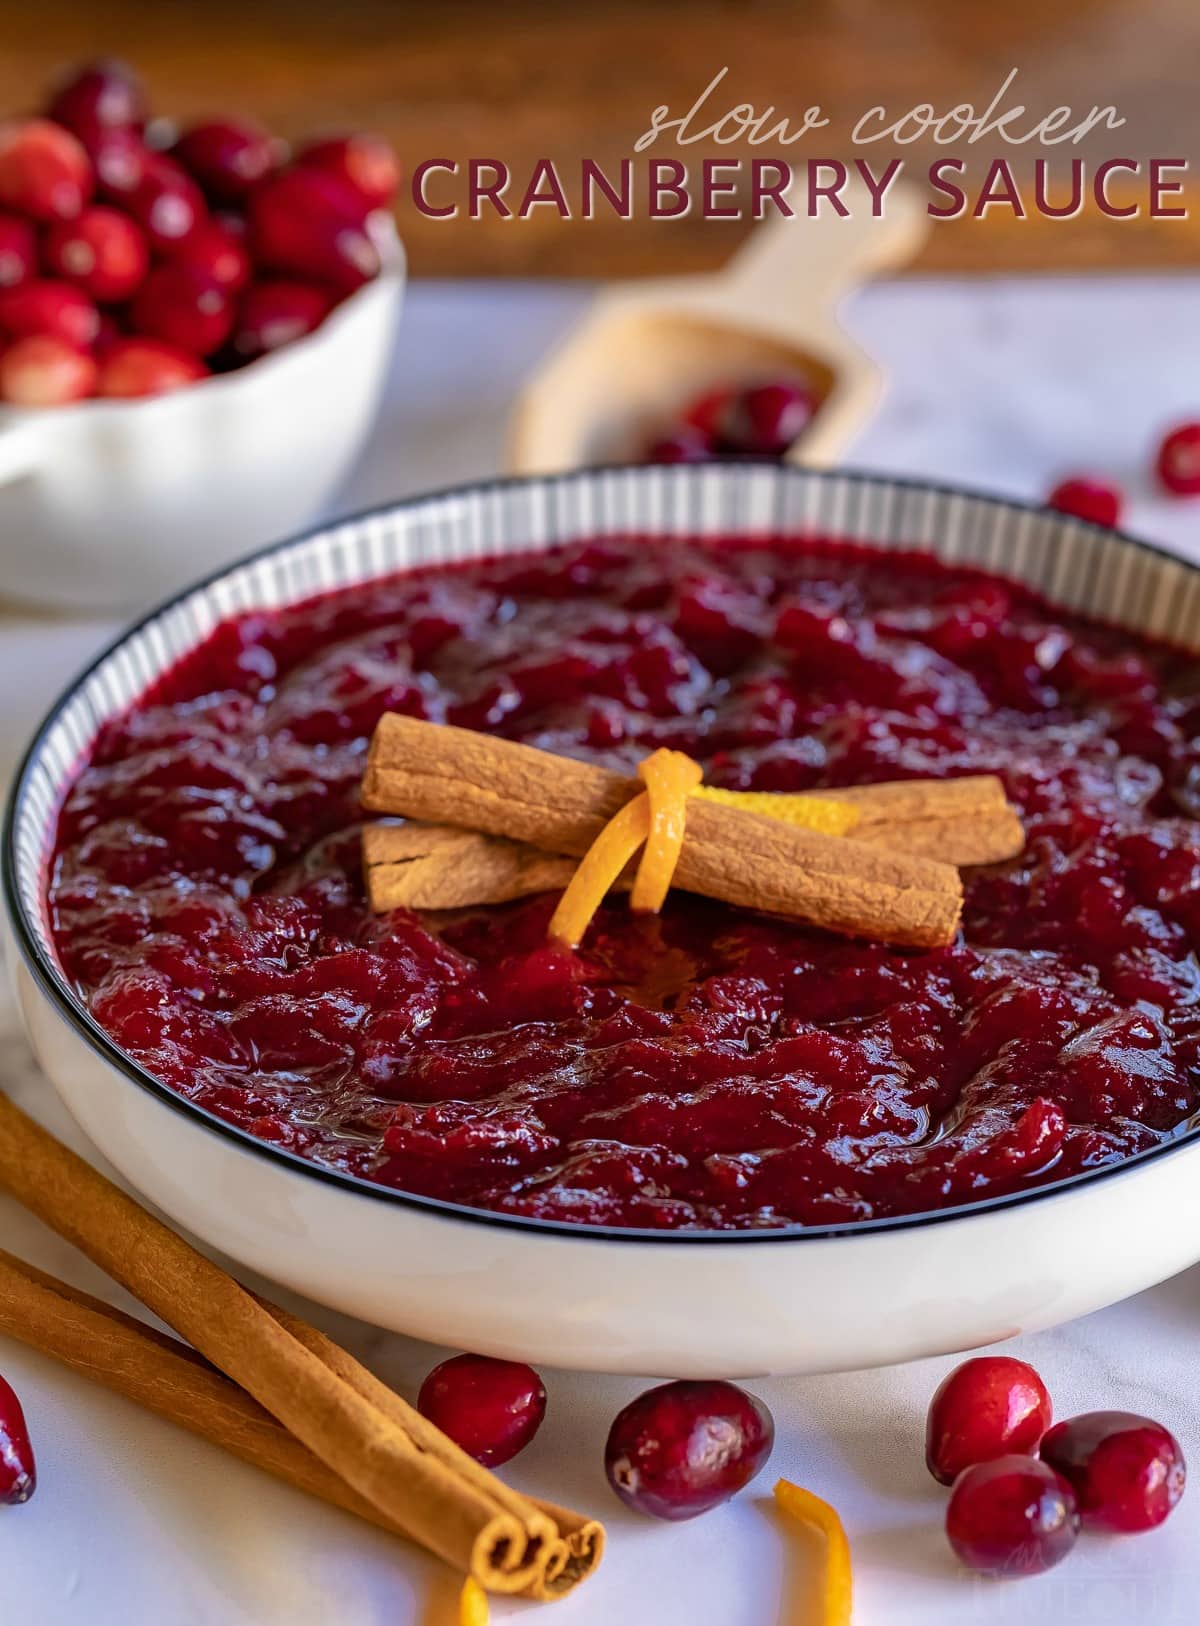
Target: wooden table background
{"points": [[519, 80]]}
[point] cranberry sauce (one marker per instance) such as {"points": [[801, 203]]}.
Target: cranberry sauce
{"points": [[708, 1067]]}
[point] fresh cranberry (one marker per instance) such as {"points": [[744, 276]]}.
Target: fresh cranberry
{"points": [[682, 445], [166, 202], [273, 314], [216, 253], [1093, 500], [769, 418], [18, 251], [120, 158], [100, 95], [988, 1407], [18, 1471], [184, 308], [710, 410], [1012, 1516], [44, 171], [1127, 1471], [136, 367], [110, 332], [685, 1447], [227, 157], [50, 307], [103, 252], [305, 225], [366, 164], [491, 1408], [44, 371], [1178, 461]]}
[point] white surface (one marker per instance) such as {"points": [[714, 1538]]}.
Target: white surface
{"points": [[1006, 385]]}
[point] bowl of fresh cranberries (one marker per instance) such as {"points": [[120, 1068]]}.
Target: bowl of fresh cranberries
{"points": [[708, 1142], [195, 327]]}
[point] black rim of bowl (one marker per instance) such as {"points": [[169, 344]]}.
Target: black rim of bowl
{"points": [[53, 984]]}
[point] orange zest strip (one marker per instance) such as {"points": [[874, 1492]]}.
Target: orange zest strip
{"points": [[598, 870], [670, 777], [472, 1604], [837, 1589], [824, 813]]}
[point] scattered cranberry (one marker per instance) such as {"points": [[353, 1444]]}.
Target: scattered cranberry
{"points": [[365, 164], [1127, 1471], [45, 306], [135, 367], [99, 96], [682, 445], [988, 1407], [1013, 1516], [1179, 461], [1092, 500], [306, 225], [273, 314], [44, 171], [18, 1471], [215, 252], [18, 251], [766, 420], [120, 158], [492, 1409], [685, 1447], [227, 157], [45, 371], [166, 202], [183, 307], [103, 252]]}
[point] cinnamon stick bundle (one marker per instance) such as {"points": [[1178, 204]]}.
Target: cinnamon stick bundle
{"points": [[385, 1453], [166, 1377], [452, 776]]}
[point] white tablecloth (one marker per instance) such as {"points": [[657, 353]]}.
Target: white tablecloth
{"points": [[1003, 384]]}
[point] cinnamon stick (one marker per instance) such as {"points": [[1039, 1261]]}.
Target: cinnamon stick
{"points": [[454, 776], [157, 1372], [415, 1478]]}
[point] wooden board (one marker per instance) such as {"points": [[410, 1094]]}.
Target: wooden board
{"points": [[524, 80]]}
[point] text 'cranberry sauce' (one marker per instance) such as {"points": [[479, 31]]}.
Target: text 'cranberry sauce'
{"points": [[705, 1068]]}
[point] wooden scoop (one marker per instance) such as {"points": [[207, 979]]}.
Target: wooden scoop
{"points": [[647, 350]]}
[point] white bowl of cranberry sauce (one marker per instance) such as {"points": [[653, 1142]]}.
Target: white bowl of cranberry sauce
{"points": [[714, 1142], [195, 330]]}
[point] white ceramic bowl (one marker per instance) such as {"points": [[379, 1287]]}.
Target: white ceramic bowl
{"points": [[682, 1304], [110, 504]]}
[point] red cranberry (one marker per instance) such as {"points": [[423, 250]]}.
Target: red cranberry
{"points": [[1127, 1471], [490, 1408], [276, 313], [45, 371], [18, 1471], [50, 307], [227, 157], [988, 1407], [1179, 461], [110, 332], [103, 252], [166, 202], [135, 367], [366, 164], [1093, 500], [766, 420], [1011, 1517], [184, 308], [305, 225], [100, 95], [709, 411], [682, 445], [18, 251], [216, 253], [120, 158], [44, 171], [682, 1448]]}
